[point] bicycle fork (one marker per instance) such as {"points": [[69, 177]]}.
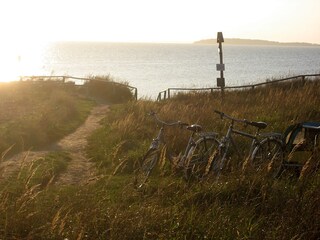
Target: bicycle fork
{"points": [[224, 149], [155, 144], [185, 159]]}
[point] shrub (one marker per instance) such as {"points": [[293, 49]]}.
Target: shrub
{"points": [[105, 89]]}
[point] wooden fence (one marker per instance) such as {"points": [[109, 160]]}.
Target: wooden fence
{"points": [[166, 94], [77, 80]]}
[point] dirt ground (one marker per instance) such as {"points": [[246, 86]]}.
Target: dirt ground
{"points": [[80, 169]]}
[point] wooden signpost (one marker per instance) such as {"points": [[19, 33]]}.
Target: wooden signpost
{"points": [[220, 66]]}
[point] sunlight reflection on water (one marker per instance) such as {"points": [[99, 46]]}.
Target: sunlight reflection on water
{"points": [[155, 67]]}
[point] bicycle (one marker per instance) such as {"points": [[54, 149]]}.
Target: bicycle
{"points": [[266, 150], [193, 161]]}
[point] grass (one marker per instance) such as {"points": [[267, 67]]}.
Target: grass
{"points": [[33, 115], [237, 206]]}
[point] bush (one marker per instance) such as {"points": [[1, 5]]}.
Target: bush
{"points": [[105, 89]]}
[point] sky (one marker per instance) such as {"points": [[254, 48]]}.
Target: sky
{"points": [[30, 21]]}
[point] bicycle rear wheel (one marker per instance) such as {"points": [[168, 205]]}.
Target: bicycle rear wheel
{"points": [[200, 157], [268, 156], [147, 164]]}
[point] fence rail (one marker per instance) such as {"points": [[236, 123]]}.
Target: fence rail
{"points": [[79, 80], [166, 94]]}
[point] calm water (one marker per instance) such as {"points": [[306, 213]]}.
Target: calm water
{"points": [[155, 67]]}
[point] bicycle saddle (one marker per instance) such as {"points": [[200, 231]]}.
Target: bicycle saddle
{"points": [[260, 125], [195, 128]]}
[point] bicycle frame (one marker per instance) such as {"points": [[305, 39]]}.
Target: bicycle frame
{"points": [[232, 131], [160, 139], [228, 139], [191, 161], [225, 142]]}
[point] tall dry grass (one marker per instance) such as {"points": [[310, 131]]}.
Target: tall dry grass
{"points": [[279, 106], [237, 206], [34, 114]]}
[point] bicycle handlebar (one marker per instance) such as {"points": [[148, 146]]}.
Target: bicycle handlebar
{"points": [[223, 115], [260, 125], [178, 123]]}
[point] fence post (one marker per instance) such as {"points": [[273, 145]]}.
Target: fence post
{"points": [[168, 93], [136, 93]]}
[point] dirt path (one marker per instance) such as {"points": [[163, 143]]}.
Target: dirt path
{"points": [[80, 170]]}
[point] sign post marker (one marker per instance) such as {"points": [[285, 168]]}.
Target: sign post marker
{"points": [[220, 67]]}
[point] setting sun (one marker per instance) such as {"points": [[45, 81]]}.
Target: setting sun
{"points": [[10, 60], [22, 58], [28, 25]]}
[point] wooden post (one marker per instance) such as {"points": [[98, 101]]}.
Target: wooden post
{"points": [[220, 67], [136, 93]]}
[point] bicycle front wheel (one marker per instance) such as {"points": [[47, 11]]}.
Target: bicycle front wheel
{"points": [[147, 164], [268, 156], [201, 157]]}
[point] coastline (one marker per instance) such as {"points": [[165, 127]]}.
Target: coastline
{"points": [[239, 41]]}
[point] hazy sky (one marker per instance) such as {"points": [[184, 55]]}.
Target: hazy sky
{"points": [[159, 20]]}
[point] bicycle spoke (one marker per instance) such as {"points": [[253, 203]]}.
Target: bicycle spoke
{"points": [[200, 158], [146, 167], [268, 156]]}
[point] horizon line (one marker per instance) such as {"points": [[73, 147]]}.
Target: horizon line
{"points": [[183, 42]]}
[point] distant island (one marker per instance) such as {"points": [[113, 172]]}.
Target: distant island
{"points": [[239, 41]]}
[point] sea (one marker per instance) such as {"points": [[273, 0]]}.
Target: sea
{"points": [[154, 67]]}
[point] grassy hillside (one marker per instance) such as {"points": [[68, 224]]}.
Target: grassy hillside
{"points": [[33, 115], [128, 130], [237, 206]]}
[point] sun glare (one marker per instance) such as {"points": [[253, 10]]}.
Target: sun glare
{"points": [[20, 59], [9, 62]]}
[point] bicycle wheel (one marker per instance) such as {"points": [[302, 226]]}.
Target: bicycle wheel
{"points": [[200, 157], [268, 156], [148, 162]]}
